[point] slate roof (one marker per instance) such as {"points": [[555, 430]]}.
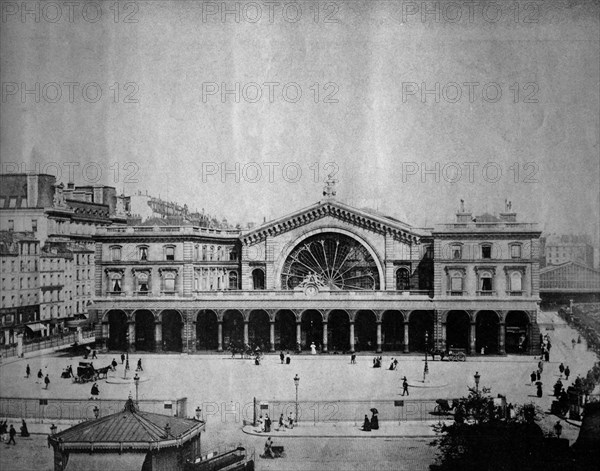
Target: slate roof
{"points": [[130, 429]]}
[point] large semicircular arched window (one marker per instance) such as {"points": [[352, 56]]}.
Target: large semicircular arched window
{"points": [[337, 261]]}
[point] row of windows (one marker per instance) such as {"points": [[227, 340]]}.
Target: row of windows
{"points": [[485, 282], [485, 251], [205, 253]]}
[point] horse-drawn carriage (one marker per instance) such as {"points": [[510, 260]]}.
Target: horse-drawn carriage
{"points": [[452, 354], [86, 373]]}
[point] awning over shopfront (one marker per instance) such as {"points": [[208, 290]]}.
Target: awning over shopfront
{"points": [[74, 323], [37, 327]]}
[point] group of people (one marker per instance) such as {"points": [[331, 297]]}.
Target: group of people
{"points": [[40, 376], [546, 345], [8, 434], [372, 424], [264, 424], [287, 359]]}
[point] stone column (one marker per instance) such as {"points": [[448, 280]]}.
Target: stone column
{"points": [[191, 343], [220, 336], [298, 333], [272, 335], [324, 349], [131, 331], [443, 337], [246, 337], [502, 338], [158, 336], [406, 337], [352, 337], [105, 335], [472, 334], [379, 342]]}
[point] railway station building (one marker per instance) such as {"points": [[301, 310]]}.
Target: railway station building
{"points": [[343, 278]]}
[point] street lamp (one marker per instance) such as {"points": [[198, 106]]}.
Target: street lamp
{"points": [[477, 377], [198, 413], [426, 368], [136, 380], [96, 411], [297, 383]]}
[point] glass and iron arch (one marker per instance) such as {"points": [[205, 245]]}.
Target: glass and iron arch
{"points": [[336, 260]]}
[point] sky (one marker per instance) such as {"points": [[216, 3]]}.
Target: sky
{"points": [[245, 108]]}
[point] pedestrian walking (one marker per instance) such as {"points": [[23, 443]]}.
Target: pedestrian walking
{"points": [[533, 377], [558, 428], [94, 356], [24, 431], [47, 382], [3, 431], [288, 359], [290, 420], [12, 432], [538, 375], [567, 372], [353, 359], [281, 357], [122, 358], [40, 375], [27, 371], [573, 342], [539, 388], [95, 391], [405, 386], [541, 366], [114, 364], [561, 368], [139, 365]]}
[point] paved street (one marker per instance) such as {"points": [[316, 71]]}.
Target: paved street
{"points": [[225, 388]]}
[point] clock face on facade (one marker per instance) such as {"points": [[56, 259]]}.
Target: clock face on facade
{"points": [[311, 290]]}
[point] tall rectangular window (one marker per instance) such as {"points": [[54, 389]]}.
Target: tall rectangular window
{"points": [[515, 251], [34, 226], [115, 254], [169, 253], [486, 251]]}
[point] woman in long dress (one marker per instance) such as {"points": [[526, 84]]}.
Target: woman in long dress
{"points": [[313, 349]]}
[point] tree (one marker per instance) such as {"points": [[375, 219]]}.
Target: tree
{"points": [[481, 438]]}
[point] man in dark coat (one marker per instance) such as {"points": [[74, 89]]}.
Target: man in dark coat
{"points": [[567, 372], [47, 381], [12, 432], [404, 386], [122, 358]]}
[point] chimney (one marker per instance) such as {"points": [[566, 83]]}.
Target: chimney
{"points": [[98, 195], [32, 191]]}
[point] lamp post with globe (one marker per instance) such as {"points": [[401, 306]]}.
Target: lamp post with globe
{"points": [[297, 383]]}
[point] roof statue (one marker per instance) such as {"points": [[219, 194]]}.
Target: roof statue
{"points": [[329, 190]]}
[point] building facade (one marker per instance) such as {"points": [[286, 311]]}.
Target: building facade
{"points": [[47, 251], [342, 278]]}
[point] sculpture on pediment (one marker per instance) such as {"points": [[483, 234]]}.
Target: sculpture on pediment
{"points": [[59, 196], [329, 190]]}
